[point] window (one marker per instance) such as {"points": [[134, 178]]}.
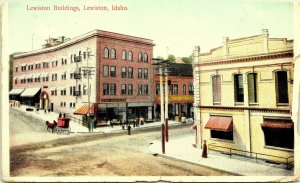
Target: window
{"points": [[175, 89], [216, 87], [106, 53], [71, 58], [64, 76], [157, 89], [145, 57], [105, 89], [124, 72], [130, 72], [146, 91], [112, 71], [71, 90], [124, 55], [184, 89], [252, 87], [146, 73], [130, 89], [140, 58], [123, 89], [191, 90], [238, 88], [112, 89], [16, 81], [170, 87], [140, 89], [105, 70], [282, 87], [84, 92], [130, 56], [140, 73], [16, 69], [221, 135], [113, 54], [281, 135]]}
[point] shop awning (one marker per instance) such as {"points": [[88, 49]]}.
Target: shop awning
{"points": [[277, 123], [220, 123], [83, 110], [30, 92], [16, 91]]}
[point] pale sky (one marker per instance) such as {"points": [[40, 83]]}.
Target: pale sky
{"points": [[177, 24]]}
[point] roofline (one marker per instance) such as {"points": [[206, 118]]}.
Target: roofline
{"points": [[86, 36]]}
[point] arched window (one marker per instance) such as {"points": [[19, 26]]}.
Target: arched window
{"points": [[123, 55], [106, 53], [130, 55], [252, 87], [140, 58], [145, 57], [113, 54], [71, 58], [282, 87]]}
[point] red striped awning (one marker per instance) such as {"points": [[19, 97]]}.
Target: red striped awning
{"points": [[83, 110], [220, 123], [277, 123]]}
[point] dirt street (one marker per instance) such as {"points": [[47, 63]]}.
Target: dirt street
{"points": [[98, 154]]}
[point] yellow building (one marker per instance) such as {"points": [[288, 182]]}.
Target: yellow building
{"points": [[245, 97]]}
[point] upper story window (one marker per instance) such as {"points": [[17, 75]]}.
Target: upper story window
{"points": [[106, 53], [124, 55], [157, 89], [130, 89], [146, 90], [282, 87], [71, 58], [130, 72], [16, 69], [140, 57], [123, 89], [112, 71], [124, 72], [113, 54], [191, 89], [145, 57], [252, 87], [175, 89], [130, 55], [216, 87], [140, 73], [105, 70], [238, 88], [146, 73], [140, 89], [184, 89]]}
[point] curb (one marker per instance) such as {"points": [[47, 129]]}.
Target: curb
{"points": [[185, 161]]}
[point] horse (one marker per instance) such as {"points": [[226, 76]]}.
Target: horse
{"points": [[51, 126]]}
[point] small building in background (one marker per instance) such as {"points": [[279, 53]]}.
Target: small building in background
{"points": [[181, 91]]}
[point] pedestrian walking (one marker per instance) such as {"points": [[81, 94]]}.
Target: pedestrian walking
{"points": [[204, 150], [49, 110], [129, 128], [59, 116], [45, 111], [64, 115]]}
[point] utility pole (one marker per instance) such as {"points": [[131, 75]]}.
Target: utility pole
{"points": [[162, 108], [166, 104], [200, 125]]}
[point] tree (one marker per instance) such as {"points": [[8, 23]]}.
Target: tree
{"points": [[187, 60], [172, 58]]}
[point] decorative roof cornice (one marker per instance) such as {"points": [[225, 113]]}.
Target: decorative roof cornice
{"points": [[269, 56]]}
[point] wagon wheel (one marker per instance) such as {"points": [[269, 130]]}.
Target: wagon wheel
{"points": [[68, 130], [59, 130]]}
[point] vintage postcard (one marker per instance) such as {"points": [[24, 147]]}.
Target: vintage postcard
{"points": [[124, 90]]}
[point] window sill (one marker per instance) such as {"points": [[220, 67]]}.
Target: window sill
{"points": [[222, 140], [279, 148], [253, 104], [239, 103], [282, 104]]}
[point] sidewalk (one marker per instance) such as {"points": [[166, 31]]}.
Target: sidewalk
{"points": [[181, 148], [78, 128]]}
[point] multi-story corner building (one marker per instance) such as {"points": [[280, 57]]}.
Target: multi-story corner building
{"points": [[181, 91], [244, 101], [56, 77]]}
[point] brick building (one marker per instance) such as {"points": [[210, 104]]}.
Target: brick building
{"points": [[56, 77], [243, 92], [181, 91]]}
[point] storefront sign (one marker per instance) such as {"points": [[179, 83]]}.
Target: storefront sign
{"points": [[114, 100]]}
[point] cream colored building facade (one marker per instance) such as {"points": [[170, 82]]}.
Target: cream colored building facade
{"points": [[245, 96]]}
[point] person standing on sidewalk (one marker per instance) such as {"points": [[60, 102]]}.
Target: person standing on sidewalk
{"points": [[129, 128], [204, 150]]}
